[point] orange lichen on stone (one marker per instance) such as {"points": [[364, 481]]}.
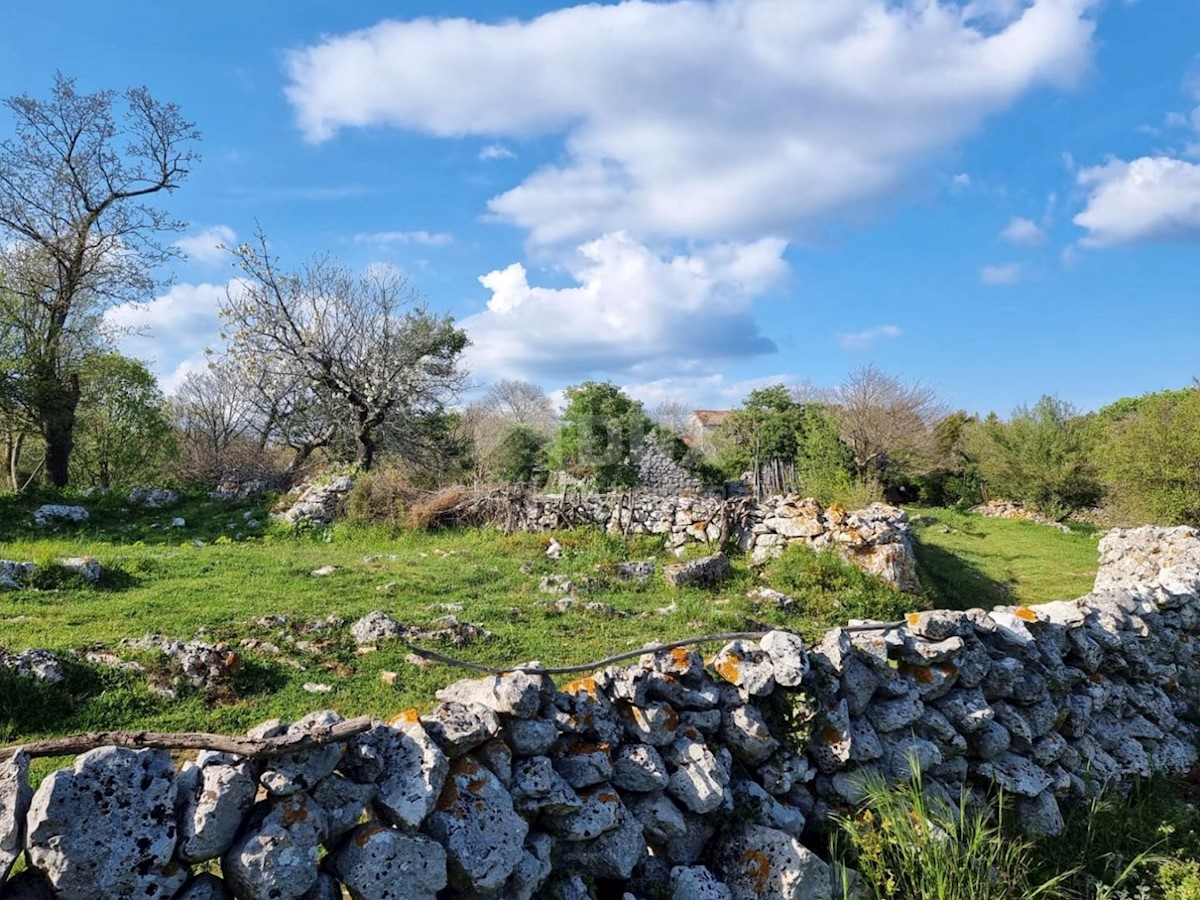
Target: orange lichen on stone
{"points": [[831, 735], [670, 717], [920, 674], [947, 669], [586, 685], [364, 837], [758, 868], [585, 749], [679, 656], [729, 669], [298, 813], [1095, 678], [476, 785], [912, 619], [608, 797], [1025, 614], [410, 716], [448, 799], [464, 765]]}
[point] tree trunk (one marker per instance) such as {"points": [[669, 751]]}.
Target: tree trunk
{"points": [[364, 433], [57, 403]]}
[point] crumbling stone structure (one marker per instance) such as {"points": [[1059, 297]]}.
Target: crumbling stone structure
{"points": [[666, 777]]}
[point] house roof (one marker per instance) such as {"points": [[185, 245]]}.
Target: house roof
{"points": [[710, 418]]}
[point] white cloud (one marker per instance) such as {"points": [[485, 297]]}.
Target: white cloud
{"points": [[632, 312], [1151, 198], [961, 180], [387, 238], [726, 120], [1023, 232], [865, 340], [496, 151], [172, 328], [1009, 273], [702, 391], [169, 382], [205, 246]]}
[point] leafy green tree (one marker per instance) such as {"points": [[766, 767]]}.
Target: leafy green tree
{"points": [[1151, 456], [519, 456], [601, 428], [1044, 456], [772, 426], [123, 432]]}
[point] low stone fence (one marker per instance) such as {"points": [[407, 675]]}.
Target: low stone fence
{"points": [[877, 539], [668, 777]]}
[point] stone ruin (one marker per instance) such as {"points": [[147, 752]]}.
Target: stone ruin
{"points": [[668, 777]]}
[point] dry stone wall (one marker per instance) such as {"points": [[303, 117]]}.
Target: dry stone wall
{"points": [[660, 473], [877, 539], [668, 777]]}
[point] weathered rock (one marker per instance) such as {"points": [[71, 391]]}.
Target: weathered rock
{"points": [[700, 780], [583, 764], [760, 863], [651, 722], [459, 728], [57, 512], [86, 567], [41, 665], [1015, 774], [344, 802], [599, 811], [531, 737], [378, 626], [538, 788], [533, 869], [696, 883], [639, 768], [614, 854], [107, 826], [516, 694], [290, 773], [153, 498], [214, 795], [661, 819], [705, 572], [787, 655], [204, 887], [747, 666], [275, 856], [475, 821], [409, 769], [381, 863], [636, 571], [1040, 815], [746, 734], [14, 804]]}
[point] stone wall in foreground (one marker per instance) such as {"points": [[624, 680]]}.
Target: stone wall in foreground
{"points": [[668, 777]]}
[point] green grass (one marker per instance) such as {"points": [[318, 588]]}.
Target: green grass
{"points": [[965, 560], [197, 581], [216, 577]]}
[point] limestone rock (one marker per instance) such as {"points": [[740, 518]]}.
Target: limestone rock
{"points": [[614, 854], [214, 795], [759, 863], [706, 572], [57, 512], [344, 802], [106, 826], [408, 767], [381, 863], [376, 627], [516, 694], [639, 768], [696, 883], [459, 728], [747, 666], [275, 856], [700, 780], [474, 820], [300, 770], [787, 655], [204, 887], [14, 804]]}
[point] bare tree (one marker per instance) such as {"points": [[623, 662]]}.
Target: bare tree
{"points": [[506, 404], [885, 421], [75, 182], [367, 340], [671, 414], [212, 412]]}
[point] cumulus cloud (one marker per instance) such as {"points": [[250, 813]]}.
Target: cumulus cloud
{"points": [[389, 238], [702, 391], [718, 120], [1148, 199], [865, 340], [205, 246], [171, 328], [631, 312], [496, 151], [1023, 232], [1009, 273]]}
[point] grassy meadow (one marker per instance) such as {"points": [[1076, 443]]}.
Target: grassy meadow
{"points": [[217, 578]]}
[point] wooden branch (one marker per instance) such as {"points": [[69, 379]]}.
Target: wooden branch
{"points": [[254, 748]]}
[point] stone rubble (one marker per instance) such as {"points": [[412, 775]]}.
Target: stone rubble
{"points": [[57, 512]]}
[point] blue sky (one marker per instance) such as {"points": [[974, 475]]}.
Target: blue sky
{"points": [[999, 197]]}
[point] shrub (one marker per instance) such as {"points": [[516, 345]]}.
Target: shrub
{"points": [[519, 457], [827, 586], [380, 497], [908, 844]]}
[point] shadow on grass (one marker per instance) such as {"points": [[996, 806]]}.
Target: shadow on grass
{"points": [[953, 583]]}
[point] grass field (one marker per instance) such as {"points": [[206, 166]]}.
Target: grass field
{"points": [[201, 581]]}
